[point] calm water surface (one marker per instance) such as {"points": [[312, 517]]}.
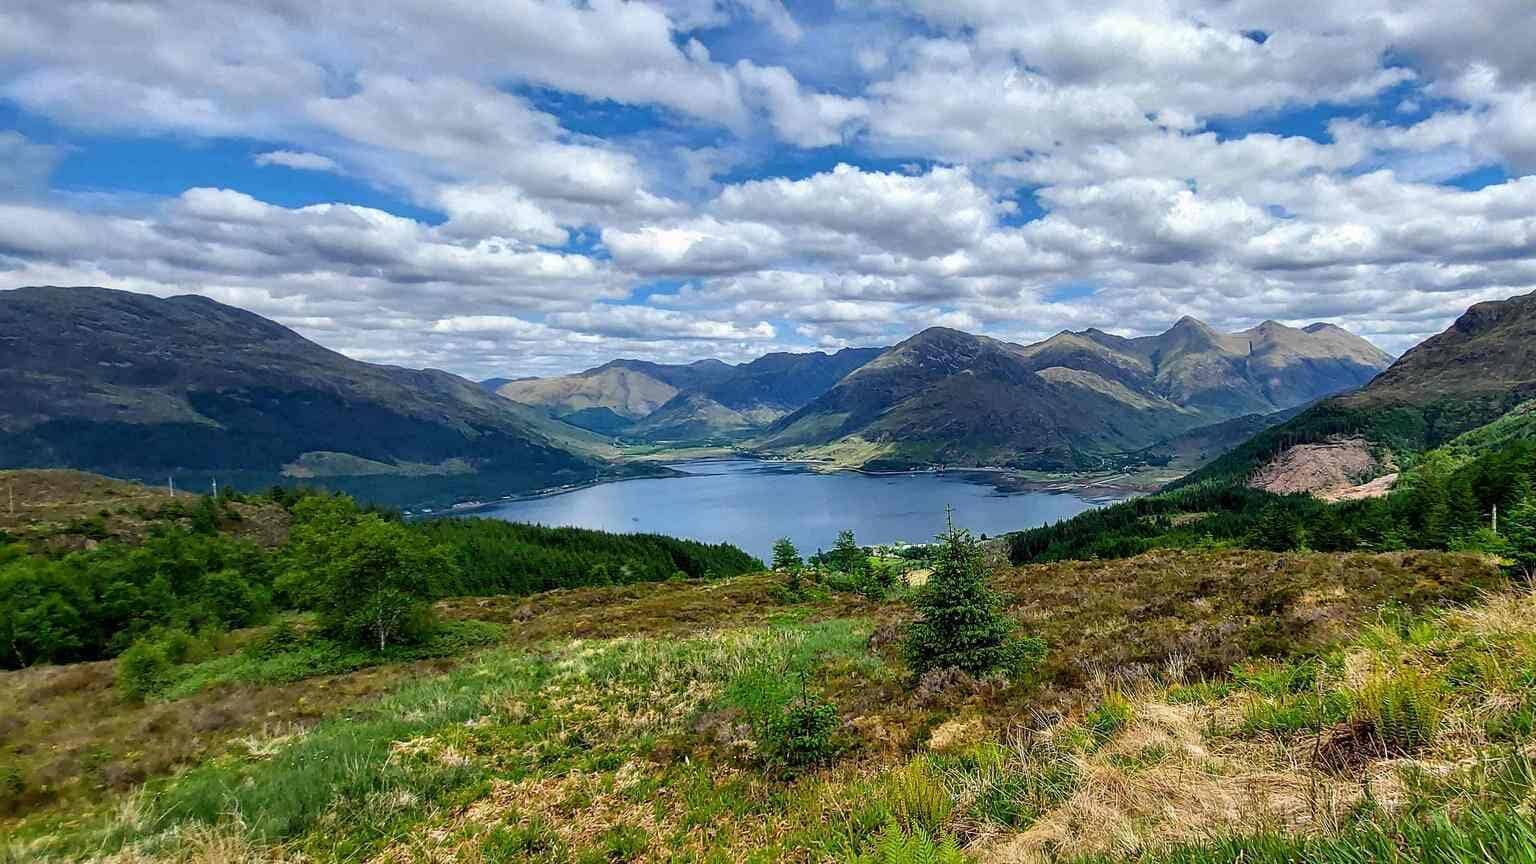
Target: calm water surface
{"points": [[752, 503]]}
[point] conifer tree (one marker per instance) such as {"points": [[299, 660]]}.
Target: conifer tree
{"points": [[1519, 529], [960, 622], [785, 555]]}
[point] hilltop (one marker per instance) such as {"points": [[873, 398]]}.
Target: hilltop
{"points": [[1470, 375], [143, 387], [1074, 401]]}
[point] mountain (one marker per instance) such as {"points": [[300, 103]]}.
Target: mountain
{"points": [[708, 399], [1468, 376], [136, 386], [1076, 400]]}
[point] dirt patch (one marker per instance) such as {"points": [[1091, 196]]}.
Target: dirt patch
{"points": [[1331, 466], [1377, 488]]}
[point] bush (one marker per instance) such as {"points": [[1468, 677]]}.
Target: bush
{"points": [[960, 622], [918, 799], [1113, 714], [144, 670], [13, 786], [801, 735]]}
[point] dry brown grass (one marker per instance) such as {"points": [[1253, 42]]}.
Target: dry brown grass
{"points": [[1163, 781]]}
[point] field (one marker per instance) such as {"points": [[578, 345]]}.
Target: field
{"points": [[637, 723]]}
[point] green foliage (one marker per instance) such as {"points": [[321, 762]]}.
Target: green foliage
{"points": [[918, 798], [1444, 501], [960, 622], [1288, 715], [496, 557], [1113, 714], [370, 579], [95, 603], [785, 555], [846, 554], [1278, 529], [1404, 707], [1519, 528], [892, 845], [801, 735]]}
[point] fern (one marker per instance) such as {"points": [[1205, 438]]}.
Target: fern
{"points": [[1404, 707], [892, 845]]}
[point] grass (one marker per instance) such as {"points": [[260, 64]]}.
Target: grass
{"points": [[312, 656], [628, 724]]}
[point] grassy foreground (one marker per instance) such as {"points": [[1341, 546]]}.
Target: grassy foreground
{"points": [[638, 723]]}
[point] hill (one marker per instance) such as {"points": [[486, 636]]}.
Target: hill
{"points": [[142, 387], [700, 401], [1470, 375], [626, 723], [1076, 400]]}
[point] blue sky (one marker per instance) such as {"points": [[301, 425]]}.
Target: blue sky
{"points": [[528, 187]]}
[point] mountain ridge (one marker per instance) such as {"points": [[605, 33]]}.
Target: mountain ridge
{"points": [[1070, 401], [138, 386]]}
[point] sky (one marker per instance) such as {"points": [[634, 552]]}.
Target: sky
{"points": [[532, 187]]}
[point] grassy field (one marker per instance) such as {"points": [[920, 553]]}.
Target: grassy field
{"points": [[637, 723]]}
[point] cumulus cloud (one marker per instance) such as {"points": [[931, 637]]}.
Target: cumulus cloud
{"points": [[552, 182]]}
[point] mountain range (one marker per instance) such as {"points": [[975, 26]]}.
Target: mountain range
{"points": [[944, 396], [1470, 375], [144, 387], [1073, 401]]}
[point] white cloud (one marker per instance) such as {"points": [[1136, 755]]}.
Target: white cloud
{"points": [[570, 152], [297, 160]]}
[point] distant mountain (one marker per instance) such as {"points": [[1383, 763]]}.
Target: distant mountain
{"points": [[1470, 375], [1076, 400], [136, 386], [705, 400]]}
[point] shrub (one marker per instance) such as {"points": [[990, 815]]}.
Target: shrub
{"points": [[960, 622], [370, 579], [1404, 708], [800, 736], [13, 786], [1113, 714], [144, 670]]}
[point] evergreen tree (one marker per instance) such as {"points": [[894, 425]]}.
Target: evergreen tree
{"points": [[1519, 529], [846, 554], [1278, 529], [785, 555], [960, 622]]}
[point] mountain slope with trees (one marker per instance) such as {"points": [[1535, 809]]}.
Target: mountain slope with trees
{"points": [[136, 386], [1076, 400]]}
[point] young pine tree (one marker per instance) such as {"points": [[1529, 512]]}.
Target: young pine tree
{"points": [[960, 622], [785, 556]]}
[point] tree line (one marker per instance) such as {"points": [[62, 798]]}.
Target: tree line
{"points": [[1446, 501], [368, 576]]}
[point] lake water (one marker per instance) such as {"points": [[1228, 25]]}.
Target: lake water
{"points": [[752, 503]]}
